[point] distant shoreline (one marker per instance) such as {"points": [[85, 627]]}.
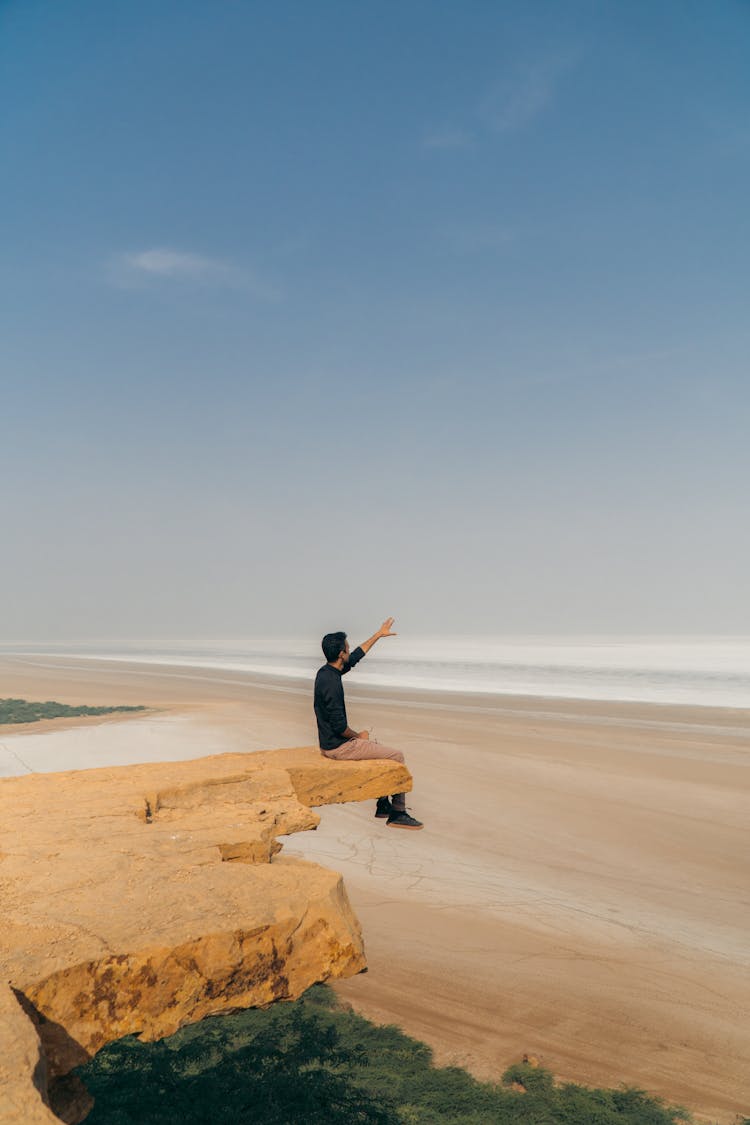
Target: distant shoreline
{"points": [[525, 704]]}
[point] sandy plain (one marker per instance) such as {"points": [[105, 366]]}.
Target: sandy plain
{"points": [[581, 890]]}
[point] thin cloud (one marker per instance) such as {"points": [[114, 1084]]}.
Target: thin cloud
{"points": [[515, 102], [478, 238], [162, 264], [448, 139], [511, 104]]}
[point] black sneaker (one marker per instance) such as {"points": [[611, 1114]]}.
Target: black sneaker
{"points": [[384, 809], [401, 819]]}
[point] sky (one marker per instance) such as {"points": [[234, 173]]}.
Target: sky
{"points": [[316, 313]]}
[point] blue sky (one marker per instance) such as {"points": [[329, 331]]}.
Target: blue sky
{"points": [[318, 312]]}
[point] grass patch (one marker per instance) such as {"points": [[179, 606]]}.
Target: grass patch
{"points": [[24, 711], [312, 1061]]}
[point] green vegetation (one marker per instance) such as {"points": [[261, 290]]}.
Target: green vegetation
{"points": [[312, 1062], [23, 711]]}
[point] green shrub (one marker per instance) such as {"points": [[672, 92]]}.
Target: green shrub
{"points": [[23, 711], [312, 1062]]}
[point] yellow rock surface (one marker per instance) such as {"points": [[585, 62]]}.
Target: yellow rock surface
{"points": [[140, 898], [23, 1067]]}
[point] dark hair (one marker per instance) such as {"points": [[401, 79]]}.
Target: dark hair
{"points": [[333, 645]]}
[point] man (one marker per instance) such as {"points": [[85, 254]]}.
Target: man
{"points": [[336, 738]]}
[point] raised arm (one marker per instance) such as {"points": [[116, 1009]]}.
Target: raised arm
{"points": [[385, 630]]}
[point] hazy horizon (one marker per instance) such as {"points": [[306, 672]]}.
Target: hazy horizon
{"points": [[6, 643], [315, 314], [698, 671]]}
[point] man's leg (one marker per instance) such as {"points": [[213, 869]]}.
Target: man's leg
{"points": [[360, 749]]}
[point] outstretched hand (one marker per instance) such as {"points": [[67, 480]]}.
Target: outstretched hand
{"points": [[385, 630]]}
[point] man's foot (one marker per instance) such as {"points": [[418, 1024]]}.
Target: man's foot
{"points": [[400, 818], [385, 808]]}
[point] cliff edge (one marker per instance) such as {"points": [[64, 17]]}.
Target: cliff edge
{"points": [[140, 898]]}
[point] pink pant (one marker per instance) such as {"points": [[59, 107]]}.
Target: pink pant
{"points": [[357, 749]]}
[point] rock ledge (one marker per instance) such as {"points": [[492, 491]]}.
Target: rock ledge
{"points": [[140, 898]]}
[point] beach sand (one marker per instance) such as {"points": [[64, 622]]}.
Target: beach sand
{"points": [[580, 891]]}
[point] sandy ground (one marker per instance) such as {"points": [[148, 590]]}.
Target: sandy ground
{"points": [[580, 892]]}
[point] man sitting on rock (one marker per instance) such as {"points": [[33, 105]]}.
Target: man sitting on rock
{"points": [[335, 736]]}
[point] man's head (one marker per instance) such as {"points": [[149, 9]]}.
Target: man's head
{"points": [[335, 645]]}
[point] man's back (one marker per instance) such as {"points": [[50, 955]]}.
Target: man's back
{"points": [[330, 709]]}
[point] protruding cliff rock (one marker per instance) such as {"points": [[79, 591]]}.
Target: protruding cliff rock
{"points": [[142, 898]]}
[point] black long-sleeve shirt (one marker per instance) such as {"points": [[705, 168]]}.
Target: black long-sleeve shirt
{"points": [[330, 710]]}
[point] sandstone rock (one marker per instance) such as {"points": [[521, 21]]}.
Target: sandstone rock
{"points": [[142, 898], [23, 1067]]}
